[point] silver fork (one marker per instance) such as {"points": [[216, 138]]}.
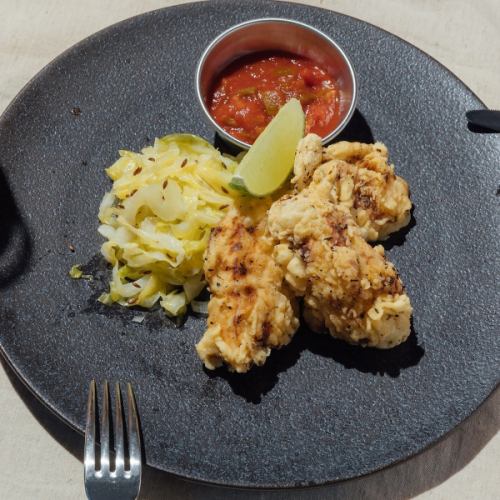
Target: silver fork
{"points": [[121, 483]]}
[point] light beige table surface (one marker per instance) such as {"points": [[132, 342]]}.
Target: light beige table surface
{"points": [[40, 459]]}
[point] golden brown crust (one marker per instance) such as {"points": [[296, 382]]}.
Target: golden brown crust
{"points": [[357, 176], [311, 244], [348, 286], [250, 311], [307, 158]]}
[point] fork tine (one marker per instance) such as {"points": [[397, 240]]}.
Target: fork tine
{"points": [[105, 429], [89, 450], [134, 438], [119, 446]]}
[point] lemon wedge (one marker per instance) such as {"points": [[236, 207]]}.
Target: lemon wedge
{"points": [[269, 161]]}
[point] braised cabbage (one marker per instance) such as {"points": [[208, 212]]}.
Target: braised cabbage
{"points": [[157, 220]]}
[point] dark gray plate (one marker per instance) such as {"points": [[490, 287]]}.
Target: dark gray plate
{"points": [[319, 410]]}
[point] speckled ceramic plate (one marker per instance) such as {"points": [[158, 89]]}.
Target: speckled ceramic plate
{"points": [[319, 410]]}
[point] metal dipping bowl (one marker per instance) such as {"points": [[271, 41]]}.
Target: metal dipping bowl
{"points": [[273, 34]]}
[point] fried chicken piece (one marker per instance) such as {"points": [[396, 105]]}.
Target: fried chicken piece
{"points": [[358, 153], [378, 202], [250, 310], [308, 157], [358, 177], [348, 286]]}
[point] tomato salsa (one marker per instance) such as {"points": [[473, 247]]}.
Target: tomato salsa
{"points": [[251, 90]]}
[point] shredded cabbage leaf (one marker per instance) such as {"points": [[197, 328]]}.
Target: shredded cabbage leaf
{"points": [[157, 220], [76, 273]]}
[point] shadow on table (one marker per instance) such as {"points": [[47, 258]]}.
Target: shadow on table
{"points": [[407, 479], [64, 435]]}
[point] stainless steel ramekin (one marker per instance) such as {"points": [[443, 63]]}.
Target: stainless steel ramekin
{"points": [[273, 34]]}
